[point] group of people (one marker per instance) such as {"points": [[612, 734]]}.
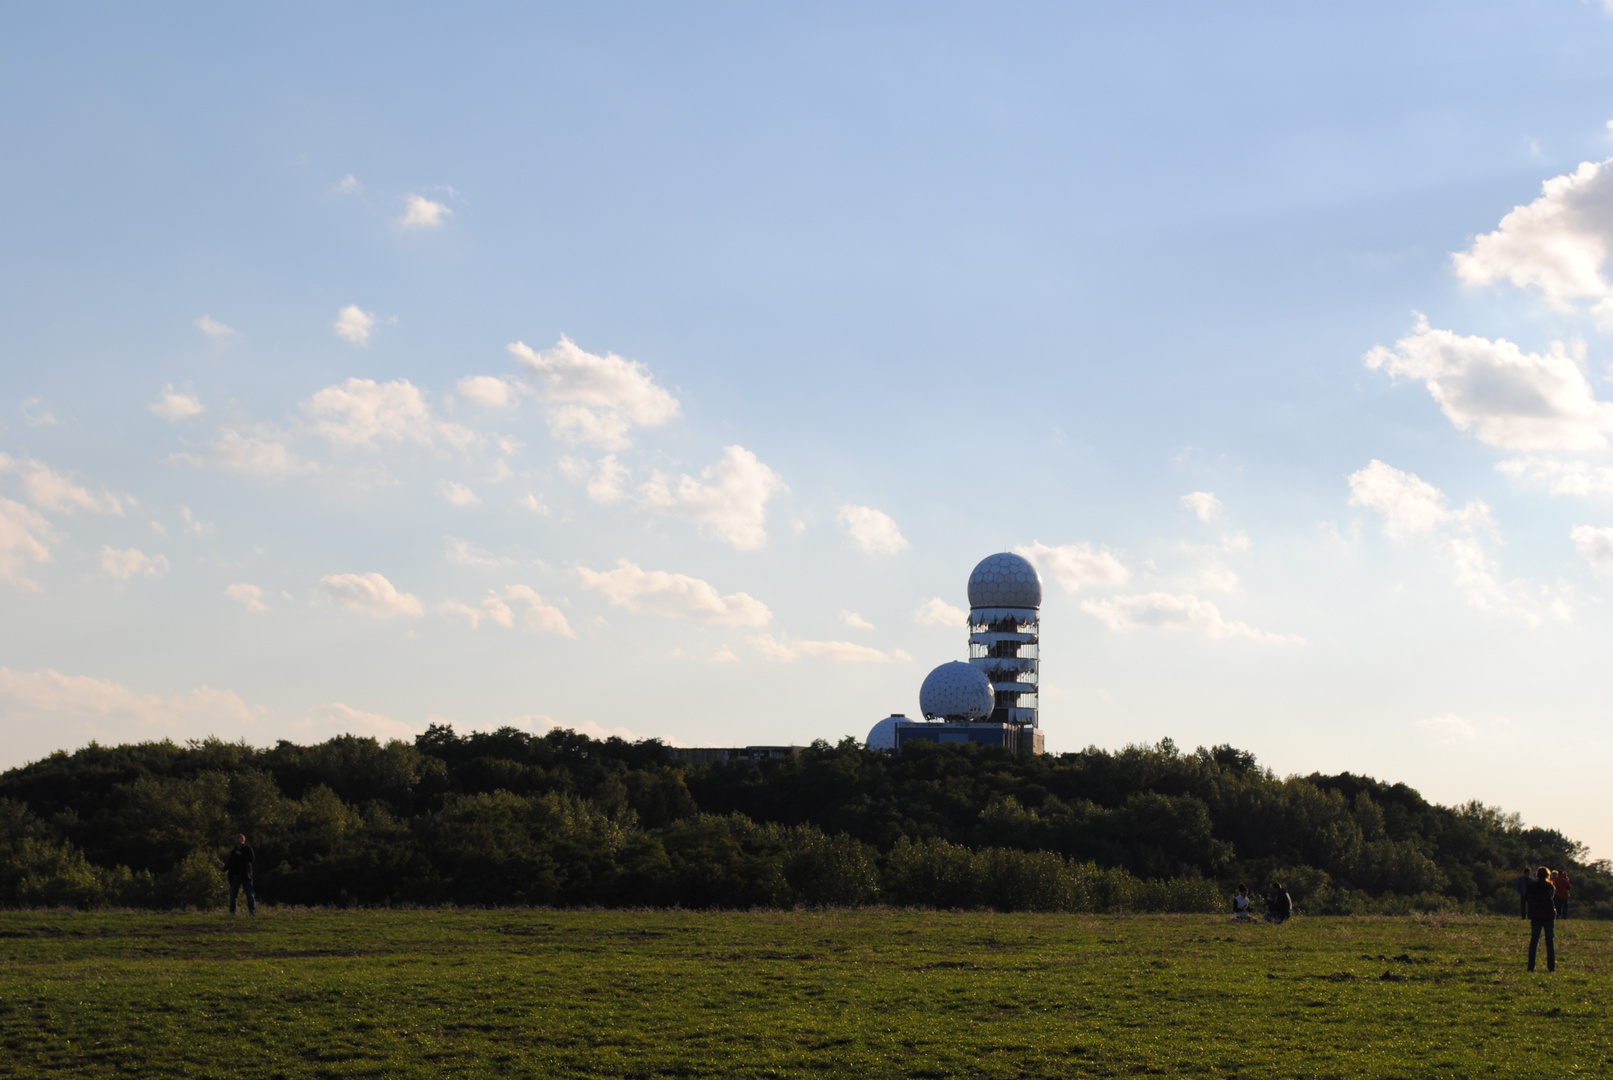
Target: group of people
{"points": [[1279, 905], [1560, 888], [1543, 901]]}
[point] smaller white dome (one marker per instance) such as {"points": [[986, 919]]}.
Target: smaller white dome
{"points": [[956, 691], [883, 735]]}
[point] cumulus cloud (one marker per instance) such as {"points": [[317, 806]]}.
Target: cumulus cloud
{"points": [[855, 621], [370, 594], [1413, 509], [462, 552], [1506, 397], [131, 562], [591, 399], [43, 711], [528, 607], [213, 328], [423, 213], [676, 596], [489, 391], [723, 655], [364, 413], [1557, 244], [533, 503], [23, 533], [937, 612], [1204, 504], [729, 499], [457, 494], [260, 450], [248, 596], [173, 406], [1175, 612], [1561, 477], [605, 480], [1077, 566], [55, 492], [870, 530], [1447, 729], [840, 652], [31, 412], [355, 324], [1595, 546]]}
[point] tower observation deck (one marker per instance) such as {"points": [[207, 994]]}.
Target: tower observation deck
{"points": [[1005, 600]]}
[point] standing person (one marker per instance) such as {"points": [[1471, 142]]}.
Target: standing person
{"points": [[1522, 885], [1561, 885], [1542, 900], [239, 867], [1240, 903]]}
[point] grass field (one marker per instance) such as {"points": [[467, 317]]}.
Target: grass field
{"points": [[868, 993]]}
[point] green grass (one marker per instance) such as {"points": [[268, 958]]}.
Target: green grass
{"points": [[867, 993]]}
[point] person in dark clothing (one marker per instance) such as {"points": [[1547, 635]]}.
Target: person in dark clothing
{"points": [[1522, 885], [1542, 907], [1279, 905], [239, 867]]}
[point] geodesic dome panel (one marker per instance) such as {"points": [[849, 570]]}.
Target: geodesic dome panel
{"points": [[1005, 580], [956, 691], [883, 735]]}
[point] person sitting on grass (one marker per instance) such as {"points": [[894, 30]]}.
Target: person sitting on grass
{"points": [[239, 867], [1543, 918], [1240, 903], [1279, 905], [1562, 886]]}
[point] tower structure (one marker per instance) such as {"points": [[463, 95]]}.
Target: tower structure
{"points": [[1005, 601]]}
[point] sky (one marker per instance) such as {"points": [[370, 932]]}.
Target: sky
{"points": [[663, 370]]}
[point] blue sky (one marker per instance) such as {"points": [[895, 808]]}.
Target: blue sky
{"points": [[664, 371]]}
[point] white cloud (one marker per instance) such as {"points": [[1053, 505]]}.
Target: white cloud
{"points": [[533, 503], [126, 563], [1595, 546], [31, 412], [855, 621], [248, 596], [1173, 611], [937, 612], [723, 655], [173, 406], [1561, 477], [606, 481], [1556, 244], [192, 525], [595, 400], [489, 391], [675, 596], [22, 540], [362, 412], [1412, 509], [1503, 395], [496, 608], [349, 184], [1447, 729], [336, 718], [840, 652], [1077, 566], [55, 492], [423, 213], [213, 328], [260, 451], [462, 552], [355, 324], [731, 502], [46, 710], [872, 531], [371, 594], [1204, 505], [457, 494]]}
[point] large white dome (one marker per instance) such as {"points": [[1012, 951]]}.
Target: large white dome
{"points": [[1005, 580], [956, 691], [883, 735]]}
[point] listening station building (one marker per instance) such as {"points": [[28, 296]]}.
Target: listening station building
{"points": [[991, 699]]}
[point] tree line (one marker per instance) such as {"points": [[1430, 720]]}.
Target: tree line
{"points": [[511, 818]]}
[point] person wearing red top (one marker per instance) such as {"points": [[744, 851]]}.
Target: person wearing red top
{"points": [[1561, 885]]}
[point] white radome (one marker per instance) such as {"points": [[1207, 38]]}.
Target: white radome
{"points": [[1005, 580], [883, 735], [956, 691]]}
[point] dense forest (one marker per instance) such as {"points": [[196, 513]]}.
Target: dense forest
{"points": [[509, 818]]}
